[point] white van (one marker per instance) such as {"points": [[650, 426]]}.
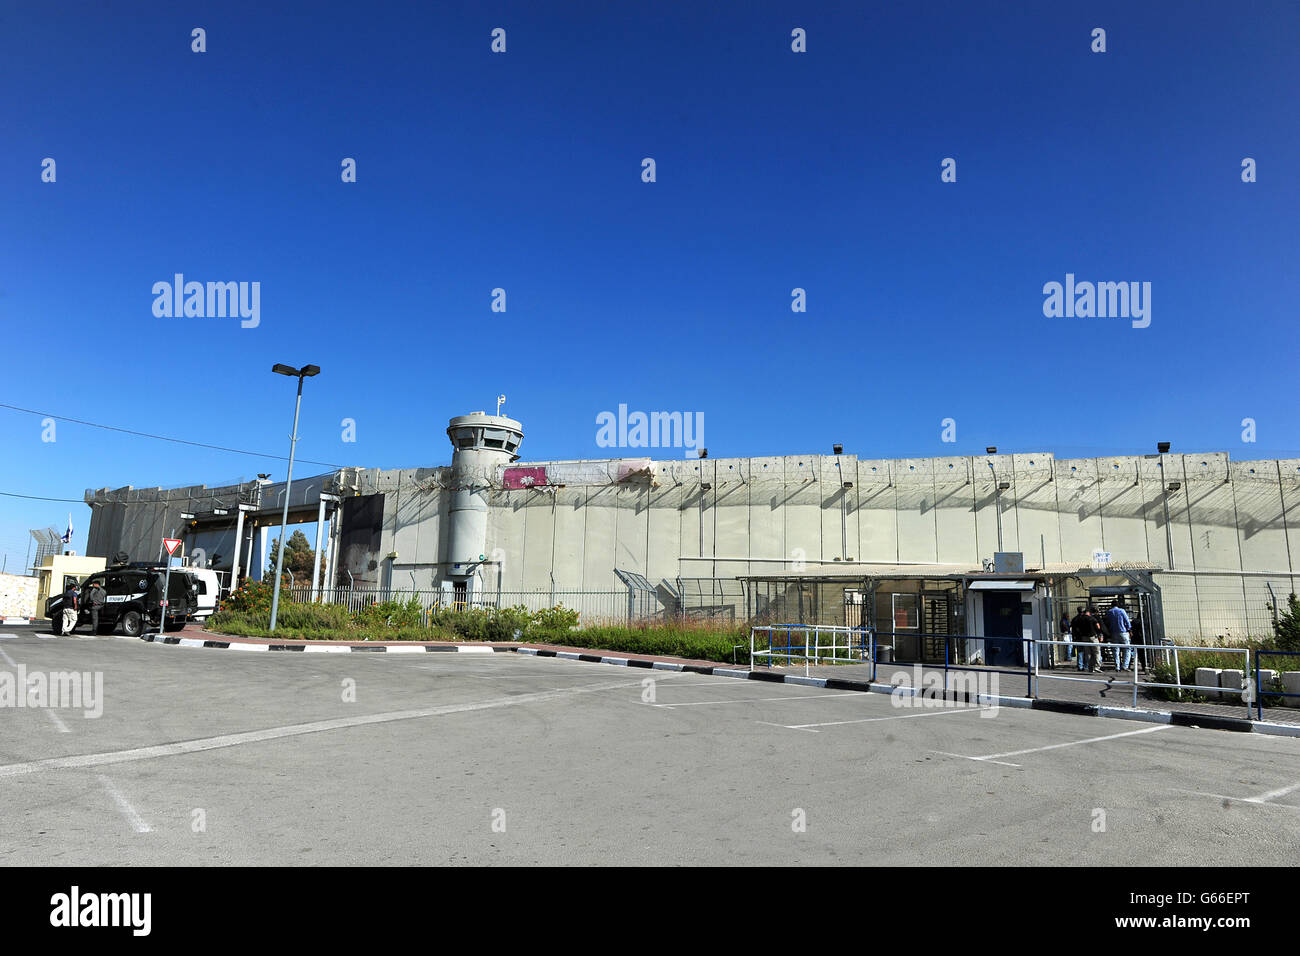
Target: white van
{"points": [[209, 590]]}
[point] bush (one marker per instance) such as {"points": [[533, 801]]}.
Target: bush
{"points": [[554, 620], [387, 614], [1288, 626]]}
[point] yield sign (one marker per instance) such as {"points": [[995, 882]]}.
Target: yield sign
{"points": [[171, 544]]}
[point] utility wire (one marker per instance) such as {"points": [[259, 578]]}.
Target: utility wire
{"points": [[179, 441], [10, 494]]}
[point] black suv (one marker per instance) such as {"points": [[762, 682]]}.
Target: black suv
{"points": [[133, 600]]}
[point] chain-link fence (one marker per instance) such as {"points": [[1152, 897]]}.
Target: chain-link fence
{"points": [[1223, 605]]}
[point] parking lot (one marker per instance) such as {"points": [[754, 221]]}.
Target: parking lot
{"points": [[216, 756]]}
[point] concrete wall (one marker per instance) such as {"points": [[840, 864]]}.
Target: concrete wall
{"points": [[18, 595], [766, 514]]}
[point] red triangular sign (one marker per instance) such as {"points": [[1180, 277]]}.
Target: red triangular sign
{"points": [[172, 544]]}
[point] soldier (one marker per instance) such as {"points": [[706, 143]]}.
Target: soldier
{"points": [[97, 598]]}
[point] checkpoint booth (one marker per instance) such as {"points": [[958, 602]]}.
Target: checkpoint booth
{"points": [[954, 613]]}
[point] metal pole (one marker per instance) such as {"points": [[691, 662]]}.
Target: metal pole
{"points": [[239, 541], [284, 518], [315, 564], [1164, 496]]}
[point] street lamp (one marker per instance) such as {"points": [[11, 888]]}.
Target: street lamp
{"points": [[307, 371], [1162, 448], [998, 488]]}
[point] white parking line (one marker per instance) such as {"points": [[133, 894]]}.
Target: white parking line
{"points": [[755, 700], [58, 721], [994, 758], [201, 745], [868, 720], [128, 811], [1273, 794], [8, 637]]}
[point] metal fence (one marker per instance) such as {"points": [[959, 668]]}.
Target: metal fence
{"points": [[1230, 605], [592, 606]]}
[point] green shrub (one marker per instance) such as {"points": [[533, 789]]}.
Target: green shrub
{"points": [[1288, 626], [554, 620], [387, 614]]}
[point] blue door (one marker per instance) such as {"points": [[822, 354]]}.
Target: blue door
{"points": [[1003, 634]]}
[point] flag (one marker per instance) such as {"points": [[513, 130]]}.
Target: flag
{"points": [[67, 538]]}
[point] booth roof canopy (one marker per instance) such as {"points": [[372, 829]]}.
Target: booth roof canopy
{"points": [[848, 572]]}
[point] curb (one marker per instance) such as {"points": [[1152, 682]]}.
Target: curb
{"points": [[323, 648], [1177, 718]]}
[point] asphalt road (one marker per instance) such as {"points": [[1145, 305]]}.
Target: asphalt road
{"points": [[212, 757]]}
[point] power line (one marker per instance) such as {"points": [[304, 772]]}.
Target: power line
{"points": [[10, 494], [179, 441]]}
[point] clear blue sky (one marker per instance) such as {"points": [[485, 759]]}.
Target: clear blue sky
{"points": [[775, 170]]}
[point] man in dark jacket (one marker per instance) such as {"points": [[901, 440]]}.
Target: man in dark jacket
{"points": [[97, 598], [71, 605], [1086, 633]]}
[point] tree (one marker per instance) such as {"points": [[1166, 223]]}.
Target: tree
{"points": [[298, 559]]}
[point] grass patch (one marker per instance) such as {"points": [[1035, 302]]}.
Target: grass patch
{"points": [[398, 621]]}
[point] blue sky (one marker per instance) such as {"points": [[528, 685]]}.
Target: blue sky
{"points": [[522, 170]]}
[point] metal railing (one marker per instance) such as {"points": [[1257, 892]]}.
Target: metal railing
{"points": [[1166, 649], [810, 643], [961, 652], [1260, 692]]}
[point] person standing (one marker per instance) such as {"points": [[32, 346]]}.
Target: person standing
{"points": [[1087, 633], [97, 598], [1121, 629], [1065, 636], [71, 605]]}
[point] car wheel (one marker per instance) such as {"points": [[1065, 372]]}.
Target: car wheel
{"points": [[131, 623]]}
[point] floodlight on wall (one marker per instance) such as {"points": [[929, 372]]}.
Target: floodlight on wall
{"points": [[703, 453], [991, 450], [837, 448], [1004, 485], [1162, 447], [1174, 486], [847, 484], [706, 486]]}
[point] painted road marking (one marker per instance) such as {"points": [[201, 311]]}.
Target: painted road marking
{"points": [[867, 720], [8, 637], [203, 744], [994, 758], [1273, 794], [58, 721], [128, 811], [8, 660], [754, 700]]}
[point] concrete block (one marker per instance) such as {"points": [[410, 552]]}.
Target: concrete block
{"points": [[1291, 684], [1206, 678], [1230, 681]]}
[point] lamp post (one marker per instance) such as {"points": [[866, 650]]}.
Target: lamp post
{"points": [[997, 491], [307, 371], [1163, 449]]}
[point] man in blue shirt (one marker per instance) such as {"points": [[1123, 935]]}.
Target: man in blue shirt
{"points": [[1120, 628]]}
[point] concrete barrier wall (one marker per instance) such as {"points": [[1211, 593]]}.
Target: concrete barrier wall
{"points": [[764, 514]]}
